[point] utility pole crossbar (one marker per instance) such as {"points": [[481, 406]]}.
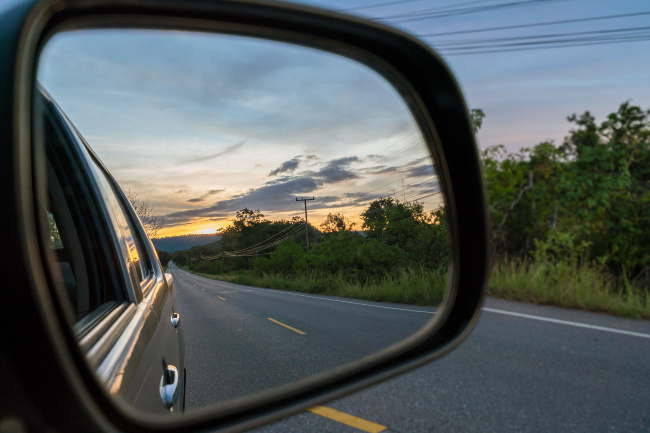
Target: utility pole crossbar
{"points": [[306, 225]]}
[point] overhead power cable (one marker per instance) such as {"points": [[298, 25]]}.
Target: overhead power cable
{"points": [[259, 251], [361, 201], [545, 23], [377, 5], [290, 235], [298, 231], [551, 37], [293, 225], [524, 43], [437, 13]]}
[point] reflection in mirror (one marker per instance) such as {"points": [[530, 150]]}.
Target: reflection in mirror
{"points": [[287, 191]]}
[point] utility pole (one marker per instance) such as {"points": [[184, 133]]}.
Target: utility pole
{"points": [[306, 226]]}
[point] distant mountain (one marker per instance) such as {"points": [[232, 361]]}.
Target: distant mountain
{"points": [[176, 243]]}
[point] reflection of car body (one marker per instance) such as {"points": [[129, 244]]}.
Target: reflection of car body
{"points": [[122, 306]]}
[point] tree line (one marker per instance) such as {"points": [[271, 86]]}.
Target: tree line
{"points": [[585, 201], [393, 236]]}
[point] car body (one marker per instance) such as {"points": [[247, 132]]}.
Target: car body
{"points": [[120, 304]]}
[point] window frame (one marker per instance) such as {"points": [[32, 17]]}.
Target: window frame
{"points": [[90, 221]]}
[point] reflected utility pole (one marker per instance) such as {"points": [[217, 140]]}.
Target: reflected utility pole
{"points": [[306, 226]]}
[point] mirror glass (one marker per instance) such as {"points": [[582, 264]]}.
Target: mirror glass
{"points": [[287, 191]]}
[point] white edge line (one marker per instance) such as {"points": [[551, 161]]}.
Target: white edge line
{"points": [[489, 310], [566, 322]]}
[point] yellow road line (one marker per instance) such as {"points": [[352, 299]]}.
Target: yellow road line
{"points": [[344, 418], [221, 298], [286, 326]]}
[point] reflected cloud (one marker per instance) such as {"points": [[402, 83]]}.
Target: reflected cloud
{"points": [[168, 107]]}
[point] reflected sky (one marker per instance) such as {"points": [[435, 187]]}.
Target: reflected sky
{"points": [[204, 125]]}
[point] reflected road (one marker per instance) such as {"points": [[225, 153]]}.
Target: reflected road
{"points": [[240, 340]]}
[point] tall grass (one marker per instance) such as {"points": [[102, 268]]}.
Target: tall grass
{"points": [[568, 285], [562, 284], [407, 286]]}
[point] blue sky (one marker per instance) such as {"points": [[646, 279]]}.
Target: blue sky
{"points": [[527, 95], [204, 125]]}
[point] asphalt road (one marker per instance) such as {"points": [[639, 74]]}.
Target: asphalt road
{"points": [[241, 340], [525, 368]]}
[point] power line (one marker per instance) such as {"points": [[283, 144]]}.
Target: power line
{"points": [[551, 37], [597, 39], [295, 231], [436, 13], [546, 23], [306, 225], [377, 5], [291, 228]]}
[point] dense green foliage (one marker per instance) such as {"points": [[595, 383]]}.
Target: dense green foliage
{"points": [[397, 241], [585, 202], [569, 227]]}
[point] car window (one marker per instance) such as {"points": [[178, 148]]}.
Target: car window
{"points": [[78, 246], [130, 243]]}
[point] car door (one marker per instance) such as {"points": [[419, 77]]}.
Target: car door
{"points": [[120, 304]]}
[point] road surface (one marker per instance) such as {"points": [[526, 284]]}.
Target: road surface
{"points": [[525, 368]]}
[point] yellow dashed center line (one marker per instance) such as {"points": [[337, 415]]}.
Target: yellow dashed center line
{"points": [[286, 326], [221, 298], [344, 418]]}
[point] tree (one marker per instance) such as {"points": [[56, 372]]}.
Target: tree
{"points": [[476, 115], [247, 218], [151, 221], [591, 194], [336, 222]]}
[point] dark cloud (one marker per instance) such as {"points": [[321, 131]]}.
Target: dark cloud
{"points": [[273, 195], [279, 194], [181, 191], [204, 196], [286, 167], [227, 150], [421, 170], [336, 170], [384, 170]]}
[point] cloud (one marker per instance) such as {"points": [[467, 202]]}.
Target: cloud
{"points": [[287, 166], [204, 196], [273, 196], [227, 150], [336, 170], [421, 170]]}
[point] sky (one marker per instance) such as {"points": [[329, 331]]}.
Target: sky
{"points": [[528, 94], [202, 125]]}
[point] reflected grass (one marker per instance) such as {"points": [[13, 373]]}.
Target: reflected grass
{"points": [[406, 286]]}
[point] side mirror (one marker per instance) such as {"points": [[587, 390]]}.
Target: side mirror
{"points": [[43, 352]]}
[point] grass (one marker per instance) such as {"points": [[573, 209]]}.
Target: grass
{"points": [[571, 286], [408, 286], [560, 284]]}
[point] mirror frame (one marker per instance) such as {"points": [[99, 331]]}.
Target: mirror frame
{"points": [[51, 355]]}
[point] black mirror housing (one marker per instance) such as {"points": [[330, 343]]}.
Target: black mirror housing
{"points": [[48, 374]]}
